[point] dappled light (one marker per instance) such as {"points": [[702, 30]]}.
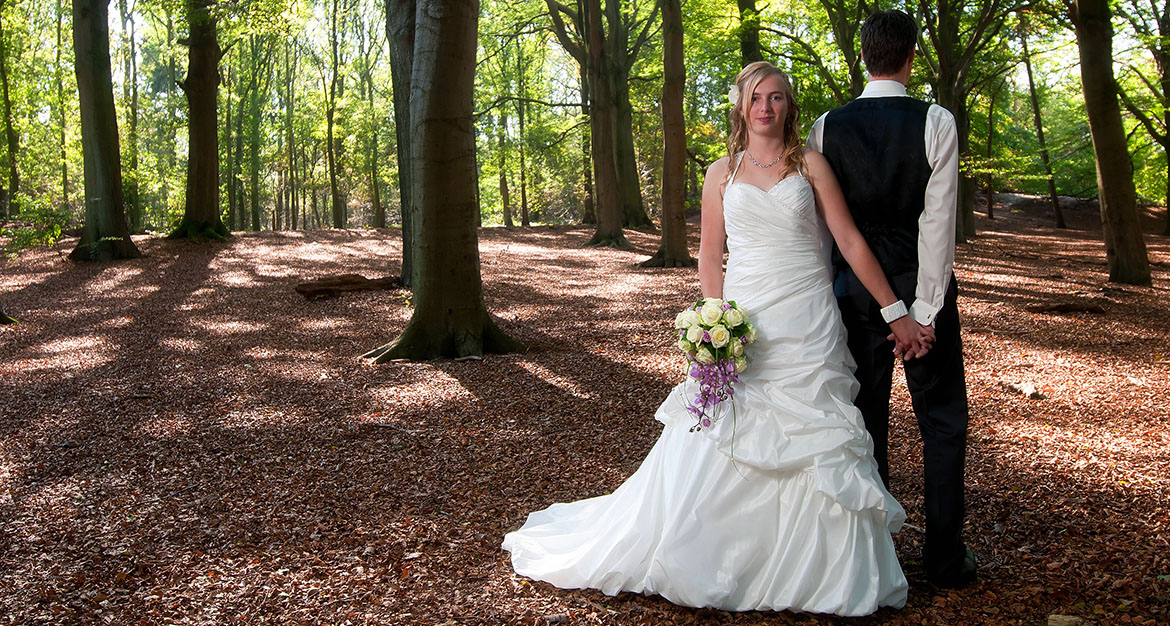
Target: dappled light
{"points": [[186, 437]]}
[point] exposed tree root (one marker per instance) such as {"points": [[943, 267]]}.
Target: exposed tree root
{"points": [[426, 341], [661, 260], [202, 231], [106, 249], [601, 241]]}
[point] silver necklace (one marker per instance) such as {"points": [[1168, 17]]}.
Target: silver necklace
{"points": [[758, 164]]}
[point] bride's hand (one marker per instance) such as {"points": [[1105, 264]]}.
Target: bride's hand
{"points": [[911, 339]]}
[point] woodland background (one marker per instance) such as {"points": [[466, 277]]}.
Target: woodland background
{"points": [[187, 439]]}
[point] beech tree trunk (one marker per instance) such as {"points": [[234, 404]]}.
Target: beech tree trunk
{"points": [[673, 252], [749, 31], [601, 124], [106, 235], [449, 319], [1039, 124], [400, 33], [1125, 249], [13, 140], [60, 77], [201, 218], [130, 98]]}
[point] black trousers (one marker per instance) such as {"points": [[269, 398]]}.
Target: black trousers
{"points": [[938, 393]]}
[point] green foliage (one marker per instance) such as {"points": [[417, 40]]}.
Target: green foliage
{"points": [[40, 224]]}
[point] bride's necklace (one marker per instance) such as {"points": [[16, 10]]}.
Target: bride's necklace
{"points": [[758, 164]]}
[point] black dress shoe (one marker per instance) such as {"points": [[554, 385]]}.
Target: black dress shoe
{"points": [[965, 576]]}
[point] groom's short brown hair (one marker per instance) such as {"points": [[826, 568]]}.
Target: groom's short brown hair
{"points": [[887, 39]]}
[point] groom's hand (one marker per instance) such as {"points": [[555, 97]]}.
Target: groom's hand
{"points": [[911, 339]]}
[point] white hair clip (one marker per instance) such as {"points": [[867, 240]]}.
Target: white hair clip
{"points": [[733, 95]]}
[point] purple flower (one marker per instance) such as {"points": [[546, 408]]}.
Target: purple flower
{"points": [[726, 306]]}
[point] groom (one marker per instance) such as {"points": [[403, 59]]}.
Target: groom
{"points": [[897, 161]]}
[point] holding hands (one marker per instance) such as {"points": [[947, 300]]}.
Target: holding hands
{"points": [[911, 339]]}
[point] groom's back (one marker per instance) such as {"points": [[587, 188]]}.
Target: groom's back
{"points": [[877, 149]]}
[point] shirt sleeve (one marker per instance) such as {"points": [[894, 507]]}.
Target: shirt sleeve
{"points": [[936, 226], [815, 139]]}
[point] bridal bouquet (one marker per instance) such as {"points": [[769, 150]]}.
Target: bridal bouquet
{"points": [[713, 334]]}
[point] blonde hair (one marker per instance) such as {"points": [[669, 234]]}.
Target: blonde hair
{"points": [[748, 79]]}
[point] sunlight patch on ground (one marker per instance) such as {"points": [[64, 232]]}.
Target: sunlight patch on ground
{"points": [[229, 328], [116, 322], [552, 378], [237, 278]]}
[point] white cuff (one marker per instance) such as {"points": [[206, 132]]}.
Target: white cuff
{"points": [[894, 311], [923, 313]]}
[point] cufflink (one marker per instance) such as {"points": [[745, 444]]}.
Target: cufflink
{"points": [[894, 311]]}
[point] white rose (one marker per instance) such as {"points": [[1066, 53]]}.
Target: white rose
{"points": [[719, 336], [750, 334], [686, 346], [680, 320], [733, 318], [712, 310], [736, 347], [692, 317], [742, 310], [740, 363], [704, 356], [695, 334]]}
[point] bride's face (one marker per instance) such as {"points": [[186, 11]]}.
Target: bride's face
{"points": [[768, 108]]}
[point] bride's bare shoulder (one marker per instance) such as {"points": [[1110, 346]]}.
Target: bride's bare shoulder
{"points": [[718, 170]]}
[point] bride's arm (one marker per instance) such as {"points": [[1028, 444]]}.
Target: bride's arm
{"points": [[912, 337], [712, 234]]}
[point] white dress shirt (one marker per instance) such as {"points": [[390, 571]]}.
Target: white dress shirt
{"points": [[936, 225]]}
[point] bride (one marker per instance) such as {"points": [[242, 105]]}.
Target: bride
{"points": [[780, 507]]}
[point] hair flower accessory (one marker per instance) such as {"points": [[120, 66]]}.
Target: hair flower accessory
{"points": [[733, 95]]}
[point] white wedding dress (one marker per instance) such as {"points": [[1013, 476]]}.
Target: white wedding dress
{"points": [[778, 506]]}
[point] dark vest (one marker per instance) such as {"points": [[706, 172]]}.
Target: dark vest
{"points": [[877, 149]]}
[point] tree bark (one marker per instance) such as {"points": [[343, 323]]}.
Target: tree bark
{"points": [[1125, 249], [588, 212], [334, 143], [60, 77], [201, 216], [601, 124], [130, 97], [749, 32], [1038, 122], [400, 33], [619, 59], [449, 319], [673, 251], [13, 140], [505, 196], [106, 235]]}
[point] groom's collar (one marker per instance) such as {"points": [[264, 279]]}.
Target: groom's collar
{"points": [[883, 89]]}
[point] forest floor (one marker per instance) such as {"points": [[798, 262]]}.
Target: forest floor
{"points": [[185, 439]]}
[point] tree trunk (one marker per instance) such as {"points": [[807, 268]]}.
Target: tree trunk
{"points": [[588, 212], [130, 97], [505, 198], [1125, 249], [449, 319], [334, 143], [1039, 124], [106, 235], [400, 33], [260, 67], [60, 77], [673, 251], [601, 124], [989, 189], [201, 216], [290, 67], [749, 32], [10, 135]]}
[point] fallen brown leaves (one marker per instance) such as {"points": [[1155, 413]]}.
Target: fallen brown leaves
{"points": [[185, 439]]}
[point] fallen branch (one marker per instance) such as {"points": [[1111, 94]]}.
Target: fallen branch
{"points": [[331, 286]]}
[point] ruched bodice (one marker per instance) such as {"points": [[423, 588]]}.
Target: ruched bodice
{"points": [[777, 505]]}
